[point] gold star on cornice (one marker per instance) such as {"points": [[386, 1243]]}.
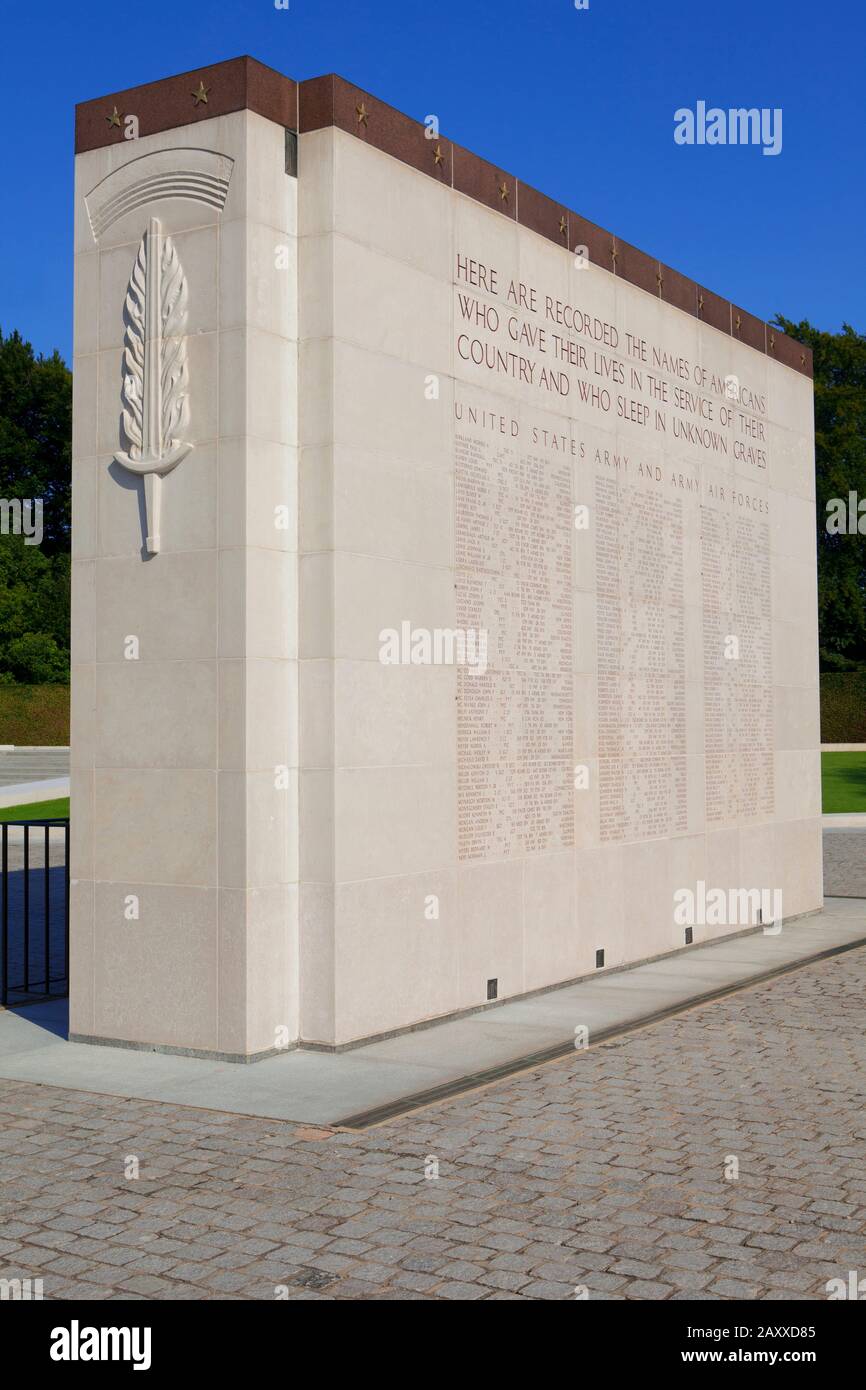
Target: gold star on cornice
{"points": [[660, 280], [563, 227], [114, 118], [613, 252], [503, 192], [362, 113], [772, 342], [200, 96], [739, 321], [802, 359], [700, 303], [438, 156]]}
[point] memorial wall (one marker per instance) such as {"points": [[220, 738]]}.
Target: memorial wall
{"points": [[614, 499], [483, 617]]}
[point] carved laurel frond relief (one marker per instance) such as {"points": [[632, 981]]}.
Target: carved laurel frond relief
{"points": [[153, 392], [132, 393], [174, 371]]}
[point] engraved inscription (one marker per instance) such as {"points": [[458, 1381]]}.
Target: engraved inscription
{"points": [[738, 689], [514, 721], [641, 662]]}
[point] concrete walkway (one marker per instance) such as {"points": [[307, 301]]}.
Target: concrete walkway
{"points": [[25, 765], [33, 774], [27, 793], [368, 1083]]}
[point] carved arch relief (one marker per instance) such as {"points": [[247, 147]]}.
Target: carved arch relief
{"points": [[200, 176], [154, 413]]}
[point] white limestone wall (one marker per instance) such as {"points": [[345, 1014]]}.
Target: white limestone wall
{"points": [[184, 760], [378, 790], [378, 746]]}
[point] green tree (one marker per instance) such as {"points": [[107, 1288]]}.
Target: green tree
{"points": [[35, 451], [840, 463], [34, 614], [36, 434]]}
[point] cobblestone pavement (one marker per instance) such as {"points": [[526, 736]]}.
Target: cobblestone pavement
{"points": [[605, 1170], [845, 862]]}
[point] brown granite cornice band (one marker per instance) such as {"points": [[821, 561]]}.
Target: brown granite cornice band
{"points": [[678, 290], [485, 182], [240, 84], [330, 101], [748, 329], [597, 241], [541, 214], [714, 310], [636, 267], [788, 351], [319, 102]]}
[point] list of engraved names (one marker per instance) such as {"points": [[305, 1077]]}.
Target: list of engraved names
{"points": [[514, 581]]}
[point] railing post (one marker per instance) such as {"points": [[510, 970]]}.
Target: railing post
{"points": [[66, 901], [23, 985], [4, 915], [26, 908], [46, 893]]}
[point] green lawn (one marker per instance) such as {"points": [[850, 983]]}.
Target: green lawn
{"points": [[36, 810], [843, 776]]}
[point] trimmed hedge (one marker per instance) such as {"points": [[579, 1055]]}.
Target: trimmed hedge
{"points": [[34, 714], [40, 713], [843, 707]]}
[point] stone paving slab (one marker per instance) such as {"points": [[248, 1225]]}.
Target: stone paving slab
{"points": [[327, 1088], [714, 1155], [844, 839]]}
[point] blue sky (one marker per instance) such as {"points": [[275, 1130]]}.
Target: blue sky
{"points": [[580, 103]]}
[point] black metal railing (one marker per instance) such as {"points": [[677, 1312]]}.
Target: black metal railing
{"points": [[34, 910]]}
